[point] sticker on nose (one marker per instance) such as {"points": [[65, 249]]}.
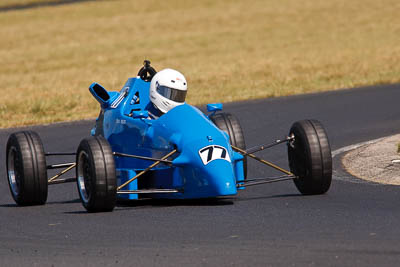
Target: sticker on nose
{"points": [[210, 153]]}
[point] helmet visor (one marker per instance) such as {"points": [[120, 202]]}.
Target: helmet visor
{"points": [[171, 93]]}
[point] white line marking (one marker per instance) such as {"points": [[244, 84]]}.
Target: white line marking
{"points": [[343, 175], [352, 147]]}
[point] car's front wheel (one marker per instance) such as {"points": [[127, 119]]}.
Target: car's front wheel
{"points": [[310, 157], [230, 124], [96, 177]]}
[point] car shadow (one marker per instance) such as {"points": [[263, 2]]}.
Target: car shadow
{"points": [[143, 203], [83, 211], [64, 202], [242, 199], [9, 206], [151, 203], [175, 202], [14, 205]]}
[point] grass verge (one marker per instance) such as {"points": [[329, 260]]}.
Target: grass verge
{"points": [[228, 50]]}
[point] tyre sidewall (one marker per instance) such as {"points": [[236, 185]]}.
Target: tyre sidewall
{"points": [[33, 185], [230, 124], [317, 158], [13, 144], [103, 176]]}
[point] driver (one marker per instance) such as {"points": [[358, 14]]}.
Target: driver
{"points": [[168, 89]]}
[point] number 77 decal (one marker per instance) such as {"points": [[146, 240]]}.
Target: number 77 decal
{"points": [[213, 152]]}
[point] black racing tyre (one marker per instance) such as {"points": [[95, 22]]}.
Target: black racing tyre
{"points": [[26, 168], [95, 173], [310, 157], [230, 124]]}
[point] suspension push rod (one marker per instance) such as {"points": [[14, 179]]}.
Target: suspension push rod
{"points": [[244, 153], [265, 146], [71, 166], [163, 159]]}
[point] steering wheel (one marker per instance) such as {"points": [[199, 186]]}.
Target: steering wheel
{"points": [[147, 72]]}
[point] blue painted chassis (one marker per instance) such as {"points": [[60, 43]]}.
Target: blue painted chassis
{"points": [[184, 128]]}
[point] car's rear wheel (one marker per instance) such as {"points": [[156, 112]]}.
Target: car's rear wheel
{"points": [[310, 157], [230, 124], [26, 168], [96, 177]]}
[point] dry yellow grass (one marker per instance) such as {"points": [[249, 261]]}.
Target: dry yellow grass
{"points": [[228, 50]]}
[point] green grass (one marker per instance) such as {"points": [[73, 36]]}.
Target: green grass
{"points": [[228, 50]]}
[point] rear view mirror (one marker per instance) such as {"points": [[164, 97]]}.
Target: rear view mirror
{"points": [[140, 114], [99, 93], [214, 107]]}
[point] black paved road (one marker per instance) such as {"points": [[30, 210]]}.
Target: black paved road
{"points": [[355, 224], [15, 7]]}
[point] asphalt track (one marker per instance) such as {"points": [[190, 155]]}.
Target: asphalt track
{"points": [[16, 7], [355, 224]]}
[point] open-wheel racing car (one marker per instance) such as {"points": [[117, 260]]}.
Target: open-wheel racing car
{"points": [[182, 154]]}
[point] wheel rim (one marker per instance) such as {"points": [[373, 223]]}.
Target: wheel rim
{"points": [[13, 167], [84, 176]]}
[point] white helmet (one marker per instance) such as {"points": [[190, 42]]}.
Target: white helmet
{"points": [[168, 89]]}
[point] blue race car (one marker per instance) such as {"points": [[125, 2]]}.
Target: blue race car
{"points": [[141, 148]]}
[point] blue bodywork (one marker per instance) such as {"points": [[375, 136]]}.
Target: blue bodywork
{"points": [[205, 164]]}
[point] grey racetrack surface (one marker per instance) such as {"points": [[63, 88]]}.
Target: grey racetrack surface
{"points": [[355, 224]]}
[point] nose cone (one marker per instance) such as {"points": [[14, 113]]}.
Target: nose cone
{"points": [[204, 166], [207, 170], [221, 179]]}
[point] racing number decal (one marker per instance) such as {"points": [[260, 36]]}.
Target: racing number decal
{"points": [[210, 153]]}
